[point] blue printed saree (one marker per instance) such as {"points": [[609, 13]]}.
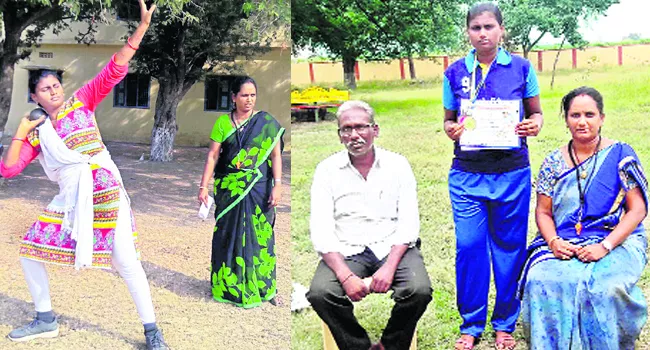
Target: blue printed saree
{"points": [[569, 304], [243, 252]]}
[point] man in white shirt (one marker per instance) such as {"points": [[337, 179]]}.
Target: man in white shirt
{"points": [[365, 223]]}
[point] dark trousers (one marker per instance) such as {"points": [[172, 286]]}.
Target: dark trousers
{"points": [[411, 293]]}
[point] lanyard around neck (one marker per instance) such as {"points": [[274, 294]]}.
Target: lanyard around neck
{"points": [[582, 191], [473, 89]]}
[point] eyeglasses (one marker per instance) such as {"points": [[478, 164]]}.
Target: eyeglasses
{"points": [[360, 129]]}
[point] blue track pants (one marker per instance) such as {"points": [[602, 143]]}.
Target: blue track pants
{"points": [[491, 218]]}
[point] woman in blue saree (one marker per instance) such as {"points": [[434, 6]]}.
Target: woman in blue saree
{"points": [[245, 158], [579, 283]]}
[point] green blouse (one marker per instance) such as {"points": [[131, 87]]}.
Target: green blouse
{"points": [[223, 128]]}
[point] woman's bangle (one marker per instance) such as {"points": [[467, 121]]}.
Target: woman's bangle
{"points": [[128, 42], [17, 139], [277, 181], [552, 240], [347, 278], [200, 187]]}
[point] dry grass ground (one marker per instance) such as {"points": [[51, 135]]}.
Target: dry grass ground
{"points": [[95, 307]]}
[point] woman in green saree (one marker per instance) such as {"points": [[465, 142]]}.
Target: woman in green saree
{"points": [[245, 159]]}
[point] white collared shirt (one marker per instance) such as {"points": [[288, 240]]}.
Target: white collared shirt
{"points": [[350, 213]]}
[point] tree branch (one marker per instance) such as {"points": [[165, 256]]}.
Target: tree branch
{"points": [[193, 60], [536, 41], [38, 15], [371, 18]]}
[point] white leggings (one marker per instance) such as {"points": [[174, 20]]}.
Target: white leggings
{"points": [[125, 261]]}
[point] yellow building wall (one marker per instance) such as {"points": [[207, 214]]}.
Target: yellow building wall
{"points": [[431, 68], [380, 70], [597, 56], [636, 54], [300, 74], [327, 72], [81, 63], [548, 58], [428, 68]]}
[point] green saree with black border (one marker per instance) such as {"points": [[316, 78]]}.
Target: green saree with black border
{"points": [[243, 244]]}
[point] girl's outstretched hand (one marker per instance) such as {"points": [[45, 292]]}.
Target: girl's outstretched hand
{"points": [[145, 14]]}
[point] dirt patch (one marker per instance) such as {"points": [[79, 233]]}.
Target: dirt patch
{"points": [[95, 308]]}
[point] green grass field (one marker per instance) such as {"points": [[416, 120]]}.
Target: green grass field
{"points": [[410, 118]]}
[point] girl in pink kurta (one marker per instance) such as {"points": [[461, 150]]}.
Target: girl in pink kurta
{"points": [[89, 223], [76, 126]]}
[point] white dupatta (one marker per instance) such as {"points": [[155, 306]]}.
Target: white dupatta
{"points": [[72, 171]]}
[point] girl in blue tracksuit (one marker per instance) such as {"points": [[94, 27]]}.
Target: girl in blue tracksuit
{"points": [[489, 189]]}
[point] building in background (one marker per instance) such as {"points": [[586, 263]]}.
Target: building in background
{"points": [[127, 113]]}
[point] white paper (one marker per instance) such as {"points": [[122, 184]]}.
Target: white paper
{"points": [[204, 210], [490, 124]]}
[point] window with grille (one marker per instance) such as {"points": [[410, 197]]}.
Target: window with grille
{"points": [[132, 91], [217, 93]]}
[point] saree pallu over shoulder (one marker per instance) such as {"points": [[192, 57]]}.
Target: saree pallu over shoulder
{"points": [[615, 174], [242, 160], [243, 246], [77, 159], [569, 304], [617, 170]]}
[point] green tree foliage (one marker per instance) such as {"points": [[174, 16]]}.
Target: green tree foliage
{"points": [[23, 23], [180, 52], [527, 21], [374, 29], [268, 13]]}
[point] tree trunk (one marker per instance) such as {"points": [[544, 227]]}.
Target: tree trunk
{"points": [[8, 57], [6, 88], [348, 71], [14, 18], [165, 127], [557, 58], [412, 68]]}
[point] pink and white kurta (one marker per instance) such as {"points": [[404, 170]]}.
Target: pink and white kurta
{"points": [[76, 126]]}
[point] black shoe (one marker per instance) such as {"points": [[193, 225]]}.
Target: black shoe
{"points": [[155, 341]]}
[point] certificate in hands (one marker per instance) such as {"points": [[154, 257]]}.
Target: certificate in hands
{"points": [[489, 124]]}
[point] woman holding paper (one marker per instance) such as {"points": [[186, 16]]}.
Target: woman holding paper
{"points": [[89, 223], [491, 104], [245, 158]]}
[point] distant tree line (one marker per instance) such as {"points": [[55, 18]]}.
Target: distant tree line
{"points": [[351, 30]]}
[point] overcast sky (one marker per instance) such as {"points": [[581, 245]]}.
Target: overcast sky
{"points": [[621, 20], [629, 16]]}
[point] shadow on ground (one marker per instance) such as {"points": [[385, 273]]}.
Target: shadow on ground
{"points": [[168, 188], [16, 312], [95, 307]]}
